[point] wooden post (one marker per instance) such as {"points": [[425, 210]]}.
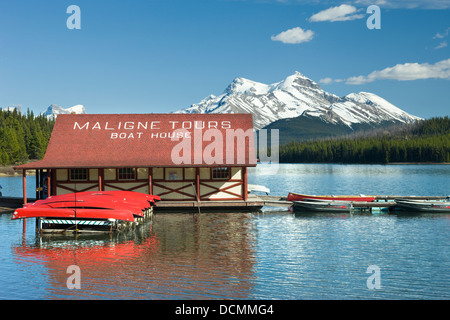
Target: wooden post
{"points": [[197, 174], [150, 180], [38, 184], [100, 179], [41, 183], [245, 186], [49, 182], [24, 185]]}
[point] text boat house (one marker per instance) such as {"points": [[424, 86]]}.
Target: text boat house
{"points": [[179, 157]]}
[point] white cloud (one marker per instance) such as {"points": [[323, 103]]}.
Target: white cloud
{"points": [[391, 4], [406, 72], [442, 35], [326, 80], [294, 35], [343, 12], [405, 4], [443, 44]]}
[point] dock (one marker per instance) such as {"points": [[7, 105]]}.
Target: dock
{"points": [[9, 204], [253, 203]]}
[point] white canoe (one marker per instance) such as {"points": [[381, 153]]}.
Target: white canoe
{"points": [[323, 206], [424, 205], [254, 187]]}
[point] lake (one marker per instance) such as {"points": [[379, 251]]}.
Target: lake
{"points": [[272, 254]]}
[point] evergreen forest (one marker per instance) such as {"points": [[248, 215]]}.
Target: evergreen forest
{"points": [[23, 137], [423, 141]]}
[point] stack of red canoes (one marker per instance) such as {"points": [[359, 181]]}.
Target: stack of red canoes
{"points": [[119, 205]]}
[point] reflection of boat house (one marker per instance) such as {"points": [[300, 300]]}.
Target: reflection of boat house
{"points": [[207, 267], [180, 157]]}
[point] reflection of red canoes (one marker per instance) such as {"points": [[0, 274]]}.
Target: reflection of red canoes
{"points": [[301, 197], [104, 258]]}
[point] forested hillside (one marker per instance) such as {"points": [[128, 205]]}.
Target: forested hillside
{"points": [[23, 137], [425, 141]]}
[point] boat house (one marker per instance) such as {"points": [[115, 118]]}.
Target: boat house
{"points": [[179, 157]]}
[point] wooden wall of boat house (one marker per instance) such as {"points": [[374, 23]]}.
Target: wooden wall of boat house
{"points": [[174, 183]]}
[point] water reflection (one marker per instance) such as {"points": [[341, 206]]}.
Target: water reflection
{"points": [[174, 256], [411, 214]]}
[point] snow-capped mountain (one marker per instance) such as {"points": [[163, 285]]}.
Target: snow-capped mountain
{"points": [[53, 110], [298, 96], [11, 109]]}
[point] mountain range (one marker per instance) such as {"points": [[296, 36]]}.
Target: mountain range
{"points": [[53, 110], [301, 109]]}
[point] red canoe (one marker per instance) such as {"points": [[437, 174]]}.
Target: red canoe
{"points": [[119, 205], [65, 213], [135, 207], [300, 197], [102, 195]]}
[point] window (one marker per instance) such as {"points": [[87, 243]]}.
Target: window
{"points": [[127, 174], [221, 173], [174, 173], [78, 174]]}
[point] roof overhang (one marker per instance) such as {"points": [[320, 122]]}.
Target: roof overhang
{"points": [[149, 140]]}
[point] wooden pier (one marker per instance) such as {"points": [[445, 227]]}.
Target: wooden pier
{"points": [[253, 203], [9, 204]]}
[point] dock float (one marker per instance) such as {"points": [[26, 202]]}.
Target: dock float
{"points": [[253, 203], [9, 204]]}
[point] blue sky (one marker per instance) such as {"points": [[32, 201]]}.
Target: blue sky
{"points": [[141, 56]]}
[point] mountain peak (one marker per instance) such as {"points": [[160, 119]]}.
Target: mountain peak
{"points": [[246, 86], [299, 75], [298, 79]]}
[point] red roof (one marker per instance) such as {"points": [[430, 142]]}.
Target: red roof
{"points": [[145, 140]]}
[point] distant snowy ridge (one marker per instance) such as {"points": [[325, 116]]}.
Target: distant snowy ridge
{"points": [[54, 110], [11, 109], [298, 96]]}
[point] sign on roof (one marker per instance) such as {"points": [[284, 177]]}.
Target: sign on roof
{"points": [[149, 140]]}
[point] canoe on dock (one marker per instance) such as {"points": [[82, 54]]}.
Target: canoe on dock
{"points": [[323, 206], [97, 208], [424, 205], [74, 213], [302, 197], [89, 197], [119, 200], [257, 188]]}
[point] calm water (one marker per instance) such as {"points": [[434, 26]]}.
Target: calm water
{"points": [[268, 255]]}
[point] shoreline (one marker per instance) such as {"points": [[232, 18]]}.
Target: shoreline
{"points": [[8, 171]]}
